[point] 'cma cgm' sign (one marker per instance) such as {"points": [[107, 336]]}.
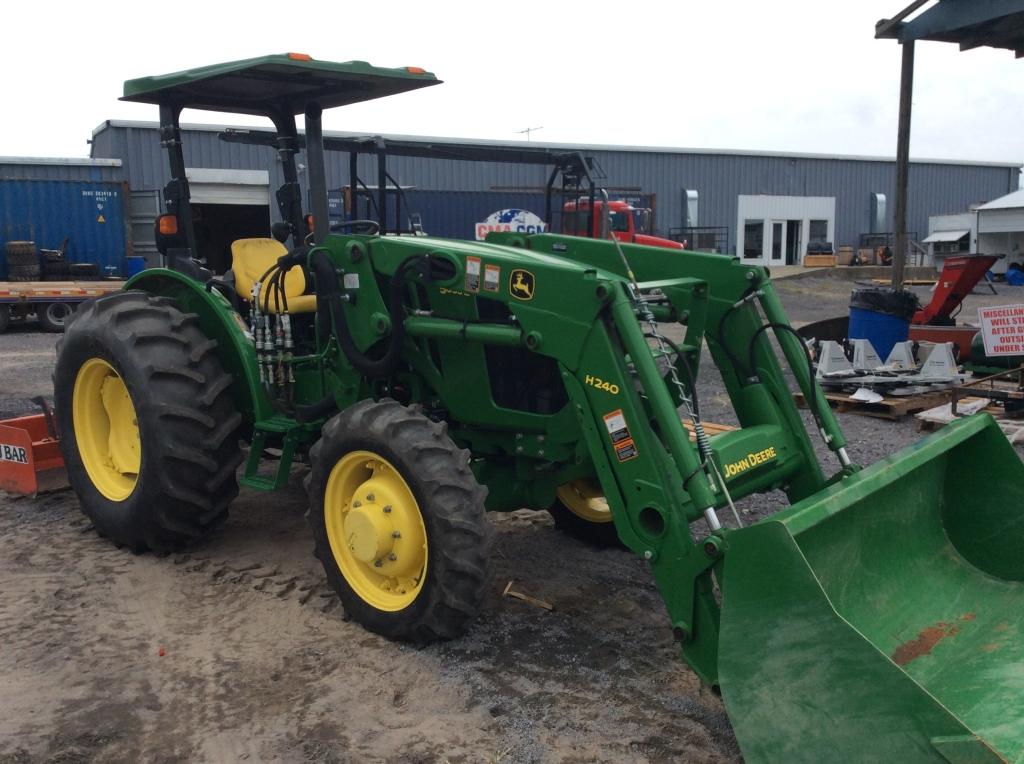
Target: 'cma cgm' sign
{"points": [[513, 221]]}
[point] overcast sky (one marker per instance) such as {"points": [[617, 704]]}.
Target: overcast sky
{"points": [[782, 76]]}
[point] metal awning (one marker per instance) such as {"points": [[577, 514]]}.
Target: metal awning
{"points": [[945, 236], [968, 23]]}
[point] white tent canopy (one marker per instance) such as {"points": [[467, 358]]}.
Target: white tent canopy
{"points": [[945, 236]]}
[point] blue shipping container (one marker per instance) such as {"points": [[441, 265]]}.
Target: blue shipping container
{"points": [[90, 214]]}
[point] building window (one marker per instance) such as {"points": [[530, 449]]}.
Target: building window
{"points": [[753, 239], [819, 231]]}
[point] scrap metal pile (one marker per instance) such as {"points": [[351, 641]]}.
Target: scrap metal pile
{"points": [[899, 375]]}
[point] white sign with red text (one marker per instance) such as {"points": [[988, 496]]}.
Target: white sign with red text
{"points": [[1002, 329]]}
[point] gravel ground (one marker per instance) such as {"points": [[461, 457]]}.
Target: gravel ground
{"points": [[237, 650]]}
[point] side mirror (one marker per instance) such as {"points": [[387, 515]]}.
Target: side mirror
{"points": [[281, 231]]}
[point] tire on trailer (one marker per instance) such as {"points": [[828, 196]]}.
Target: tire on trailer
{"points": [[53, 316], [56, 268], [581, 511], [398, 522], [5, 317], [23, 273], [84, 271], [149, 428], [21, 253]]}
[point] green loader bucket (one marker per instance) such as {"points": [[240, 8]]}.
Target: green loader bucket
{"points": [[882, 619]]}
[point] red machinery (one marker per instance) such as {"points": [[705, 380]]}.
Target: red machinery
{"points": [[628, 224], [936, 321], [30, 458]]}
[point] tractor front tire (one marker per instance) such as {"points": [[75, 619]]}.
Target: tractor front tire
{"points": [[149, 430], [581, 511], [398, 522]]}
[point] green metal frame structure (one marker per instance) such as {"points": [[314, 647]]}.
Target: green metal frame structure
{"points": [[877, 618]]}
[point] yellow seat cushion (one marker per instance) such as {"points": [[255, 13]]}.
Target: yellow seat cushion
{"points": [[251, 258]]}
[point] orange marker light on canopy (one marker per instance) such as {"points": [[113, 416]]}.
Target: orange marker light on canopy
{"points": [[168, 225], [300, 57]]}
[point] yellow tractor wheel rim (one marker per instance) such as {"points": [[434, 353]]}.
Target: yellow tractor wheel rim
{"points": [[375, 530], [585, 499], [106, 429]]}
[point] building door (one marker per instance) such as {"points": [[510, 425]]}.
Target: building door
{"points": [[794, 254], [227, 205], [778, 245]]}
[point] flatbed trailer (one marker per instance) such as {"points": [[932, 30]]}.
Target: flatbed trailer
{"points": [[51, 302]]}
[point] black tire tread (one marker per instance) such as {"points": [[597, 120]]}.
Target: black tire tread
{"points": [[197, 453], [21, 253], [23, 272], [459, 535]]}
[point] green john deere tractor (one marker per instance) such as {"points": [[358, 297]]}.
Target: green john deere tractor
{"points": [[428, 381]]}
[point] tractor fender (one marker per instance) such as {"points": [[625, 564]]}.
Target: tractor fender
{"points": [[218, 321]]}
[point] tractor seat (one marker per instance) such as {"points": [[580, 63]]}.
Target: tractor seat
{"points": [[251, 258]]}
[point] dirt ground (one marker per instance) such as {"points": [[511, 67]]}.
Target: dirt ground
{"points": [[236, 649]]}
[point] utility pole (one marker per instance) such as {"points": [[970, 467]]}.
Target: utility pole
{"points": [[528, 131], [903, 163]]}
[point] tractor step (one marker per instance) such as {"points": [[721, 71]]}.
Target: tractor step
{"points": [[290, 437]]}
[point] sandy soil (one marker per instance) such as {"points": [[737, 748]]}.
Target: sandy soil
{"points": [[236, 650]]}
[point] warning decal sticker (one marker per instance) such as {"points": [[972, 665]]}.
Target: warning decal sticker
{"points": [[492, 278], [625, 450], [618, 431], [472, 274]]}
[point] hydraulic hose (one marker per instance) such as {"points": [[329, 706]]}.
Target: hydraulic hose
{"points": [[815, 392], [332, 313]]}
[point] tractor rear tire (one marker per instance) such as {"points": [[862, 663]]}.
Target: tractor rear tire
{"points": [[53, 316], [398, 522], [149, 428], [581, 511]]}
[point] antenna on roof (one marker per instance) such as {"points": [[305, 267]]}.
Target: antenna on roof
{"points": [[528, 131]]}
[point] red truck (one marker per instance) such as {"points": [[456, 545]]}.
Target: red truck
{"points": [[629, 224]]}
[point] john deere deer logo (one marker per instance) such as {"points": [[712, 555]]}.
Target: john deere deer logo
{"points": [[520, 284]]}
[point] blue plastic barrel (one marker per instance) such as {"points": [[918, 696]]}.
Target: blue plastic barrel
{"points": [[881, 316], [134, 265]]}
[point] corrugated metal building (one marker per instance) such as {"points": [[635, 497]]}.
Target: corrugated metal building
{"points": [[49, 168], [772, 204]]}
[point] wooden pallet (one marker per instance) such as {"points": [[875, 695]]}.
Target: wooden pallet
{"points": [[933, 419], [710, 428], [894, 408], [819, 261], [906, 282]]}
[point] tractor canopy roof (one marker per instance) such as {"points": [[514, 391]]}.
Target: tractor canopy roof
{"points": [[283, 82]]}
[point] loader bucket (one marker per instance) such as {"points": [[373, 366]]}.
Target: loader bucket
{"points": [[883, 618]]}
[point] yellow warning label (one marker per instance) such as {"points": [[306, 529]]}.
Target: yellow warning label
{"points": [[101, 219]]}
